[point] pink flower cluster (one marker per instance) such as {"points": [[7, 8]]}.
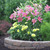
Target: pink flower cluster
{"points": [[30, 13], [47, 8]]}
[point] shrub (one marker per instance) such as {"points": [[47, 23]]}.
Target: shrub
{"points": [[4, 26], [2, 9], [45, 31], [47, 17], [10, 5]]}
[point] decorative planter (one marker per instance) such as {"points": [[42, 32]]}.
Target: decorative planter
{"points": [[25, 45]]}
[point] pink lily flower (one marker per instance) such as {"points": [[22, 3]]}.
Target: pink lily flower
{"points": [[47, 8], [21, 10], [11, 16], [31, 9], [19, 19], [18, 8], [40, 19], [15, 13], [24, 14], [28, 18], [34, 21], [35, 5], [36, 12], [27, 12], [18, 13]]}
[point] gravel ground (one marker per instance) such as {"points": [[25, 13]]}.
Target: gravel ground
{"points": [[4, 48]]}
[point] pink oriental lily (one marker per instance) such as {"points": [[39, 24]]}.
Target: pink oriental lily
{"points": [[36, 12], [21, 10], [40, 19], [28, 18], [11, 16], [47, 8], [18, 13], [29, 8], [34, 21], [24, 14], [19, 19]]}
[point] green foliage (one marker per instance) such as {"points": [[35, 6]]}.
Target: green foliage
{"points": [[10, 5], [43, 2], [18, 32], [47, 16], [48, 2], [45, 31], [1, 9]]}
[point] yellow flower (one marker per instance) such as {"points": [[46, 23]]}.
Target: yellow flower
{"points": [[18, 30], [34, 30], [37, 29], [28, 32], [24, 27], [26, 22], [33, 35], [11, 28], [15, 24]]}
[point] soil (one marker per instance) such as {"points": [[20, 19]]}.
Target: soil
{"points": [[2, 47]]}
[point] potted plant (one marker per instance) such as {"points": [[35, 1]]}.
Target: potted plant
{"points": [[25, 31]]}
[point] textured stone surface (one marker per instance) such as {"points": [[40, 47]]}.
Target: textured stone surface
{"points": [[25, 45]]}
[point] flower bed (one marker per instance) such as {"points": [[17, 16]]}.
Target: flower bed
{"points": [[28, 19], [25, 32]]}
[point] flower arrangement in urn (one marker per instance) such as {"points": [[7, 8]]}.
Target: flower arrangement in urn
{"points": [[28, 20]]}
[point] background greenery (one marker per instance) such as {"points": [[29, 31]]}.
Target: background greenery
{"points": [[7, 7], [2, 2]]}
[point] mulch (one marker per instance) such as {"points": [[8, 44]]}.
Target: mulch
{"points": [[2, 47]]}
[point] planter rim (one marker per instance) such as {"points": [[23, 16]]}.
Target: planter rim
{"points": [[8, 38], [25, 45]]}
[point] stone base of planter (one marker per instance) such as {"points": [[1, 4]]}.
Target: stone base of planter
{"points": [[25, 45]]}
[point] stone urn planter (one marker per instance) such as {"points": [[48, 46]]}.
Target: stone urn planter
{"points": [[25, 45]]}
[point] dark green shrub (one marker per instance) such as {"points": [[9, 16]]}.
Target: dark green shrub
{"points": [[45, 31], [47, 16], [10, 5], [1, 9]]}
